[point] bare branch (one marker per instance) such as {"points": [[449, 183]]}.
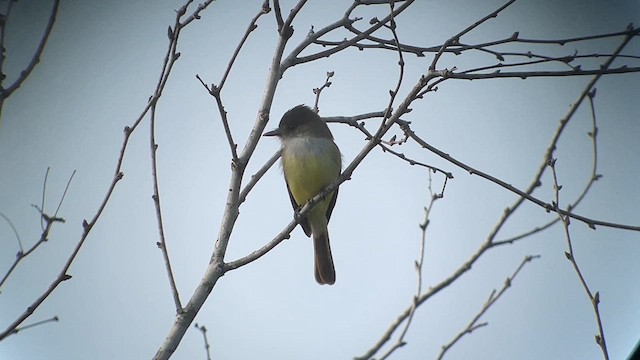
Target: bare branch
{"points": [[456, 38], [217, 266], [170, 58], [5, 92], [493, 298], [14, 327], [570, 255], [252, 26], [278, 13], [418, 267], [293, 58], [35, 324], [46, 222], [592, 179], [592, 223], [162, 243], [257, 176], [215, 92], [526, 74], [318, 91], [203, 330], [15, 232]]}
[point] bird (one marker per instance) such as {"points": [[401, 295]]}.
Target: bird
{"points": [[311, 161]]}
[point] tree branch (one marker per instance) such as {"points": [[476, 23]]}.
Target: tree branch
{"points": [[5, 92], [493, 298], [570, 255]]}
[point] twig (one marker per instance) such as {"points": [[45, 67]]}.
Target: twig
{"points": [[527, 74], [5, 92], [46, 221], [493, 298], [278, 14], [257, 176], [570, 255], [354, 122], [64, 194], [286, 31], [216, 90], [318, 91], [393, 93], [593, 134], [162, 243], [15, 232], [418, 267], [252, 26], [292, 59], [37, 323], [456, 38], [592, 223], [44, 195], [443, 284], [203, 330], [11, 329]]}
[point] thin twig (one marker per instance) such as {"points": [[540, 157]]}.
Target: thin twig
{"points": [[5, 92], [592, 223], [35, 324], [252, 26], [318, 91], [11, 329], [393, 93], [456, 38], [207, 347], [216, 90], [15, 232], [257, 176], [594, 176], [354, 122], [570, 255], [527, 74], [493, 298], [418, 267], [292, 59], [162, 243], [64, 194], [46, 221], [44, 195]]}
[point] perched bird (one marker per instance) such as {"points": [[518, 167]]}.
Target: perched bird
{"points": [[310, 162]]}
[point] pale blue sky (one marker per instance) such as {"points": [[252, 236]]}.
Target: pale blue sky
{"points": [[102, 63]]}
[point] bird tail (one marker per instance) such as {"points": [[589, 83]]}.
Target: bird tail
{"points": [[324, 270]]}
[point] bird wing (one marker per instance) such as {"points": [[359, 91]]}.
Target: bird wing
{"points": [[304, 222], [332, 204]]}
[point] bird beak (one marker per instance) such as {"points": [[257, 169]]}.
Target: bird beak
{"points": [[275, 132]]}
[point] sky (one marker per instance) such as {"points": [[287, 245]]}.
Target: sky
{"points": [[101, 65]]}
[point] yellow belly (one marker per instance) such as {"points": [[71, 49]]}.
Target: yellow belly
{"points": [[309, 165]]}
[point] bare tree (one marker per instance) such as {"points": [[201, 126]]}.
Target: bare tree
{"points": [[388, 126]]}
